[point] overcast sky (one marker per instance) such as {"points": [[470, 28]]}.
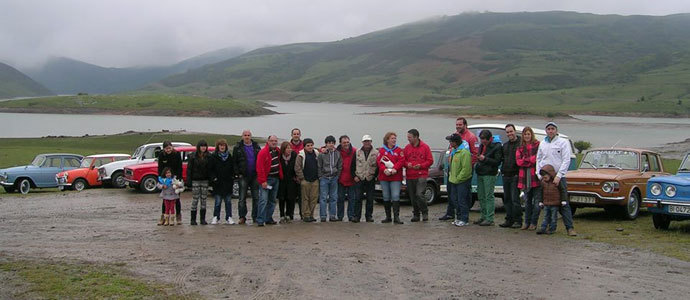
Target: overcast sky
{"points": [[120, 33]]}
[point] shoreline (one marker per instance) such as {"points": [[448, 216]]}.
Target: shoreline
{"points": [[152, 113]]}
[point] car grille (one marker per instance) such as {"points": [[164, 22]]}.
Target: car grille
{"points": [[61, 180], [101, 172], [128, 173]]}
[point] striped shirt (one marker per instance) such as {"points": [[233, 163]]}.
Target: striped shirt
{"points": [[275, 163]]}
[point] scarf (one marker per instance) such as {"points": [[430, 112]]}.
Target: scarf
{"points": [[165, 181], [224, 155], [389, 150]]}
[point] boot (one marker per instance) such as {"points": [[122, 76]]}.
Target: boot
{"points": [[202, 217], [193, 218], [178, 216], [415, 217], [396, 213], [166, 220], [387, 207], [425, 216], [162, 220]]}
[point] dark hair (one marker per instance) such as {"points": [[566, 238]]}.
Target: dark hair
{"points": [[167, 143], [330, 139], [200, 144], [464, 121], [165, 170], [344, 136], [308, 141], [485, 134], [510, 125], [414, 132], [293, 130], [284, 146], [222, 142]]}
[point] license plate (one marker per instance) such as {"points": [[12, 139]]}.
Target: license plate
{"points": [[582, 199], [683, 210]]}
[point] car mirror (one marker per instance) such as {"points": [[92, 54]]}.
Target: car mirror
{"points": [[646, 168]]}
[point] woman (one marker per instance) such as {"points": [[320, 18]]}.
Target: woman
{"points": [[391, 160], [287, 189], [169, 158], [197, 178], [221, 173], [528, 183]]}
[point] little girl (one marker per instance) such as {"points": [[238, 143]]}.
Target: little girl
{"points": [[165, 183]]}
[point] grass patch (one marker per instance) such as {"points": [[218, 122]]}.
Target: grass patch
{"points": [[53, 280]]}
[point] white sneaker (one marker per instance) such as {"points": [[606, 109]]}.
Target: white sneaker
{"points": [[231, 221], [214, 221], [460, 223]]}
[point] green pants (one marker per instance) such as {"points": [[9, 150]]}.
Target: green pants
{"points": [[485, 193]]}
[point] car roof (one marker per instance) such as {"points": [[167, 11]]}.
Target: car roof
{"points": [[191, 148], [61, 154], [623, 149], [517, 128], [161, 143], [108, 155]]}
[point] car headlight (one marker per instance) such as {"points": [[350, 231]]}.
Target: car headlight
{"points": [[609, 187], [655, 189], [671, 191]]}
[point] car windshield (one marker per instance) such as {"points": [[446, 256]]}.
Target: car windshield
{"points": [[38, 160], [685, 166], [138, 152], [615, 159], [86, 162]]}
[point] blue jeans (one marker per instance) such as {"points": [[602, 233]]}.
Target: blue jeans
{"points": [[450, 208], [328, 193], [565, 211], [511, 200], [461, 197], [532, 209], [267, 201], [550, 218], [228, 206], [391, 190], [248, 183], [349, 192]]}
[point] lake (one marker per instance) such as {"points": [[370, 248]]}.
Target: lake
{"points": [[317, 120]]}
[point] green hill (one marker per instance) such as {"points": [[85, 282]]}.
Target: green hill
{"points": [[579, 62], [15, 84]]}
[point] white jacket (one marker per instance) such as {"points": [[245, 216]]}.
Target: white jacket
{"points": [[555, 153]]}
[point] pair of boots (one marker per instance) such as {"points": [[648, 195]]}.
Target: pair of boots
{"points": [[202, 217], [168, 220], [172, 220], [396, 212]]}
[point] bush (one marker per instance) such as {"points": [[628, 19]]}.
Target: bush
{"points": [[582, 146]]}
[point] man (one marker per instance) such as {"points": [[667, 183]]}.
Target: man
{"points": [[244, 155], [268, 174], [365, 175], [488, 160], [510, 170], [460, 179], [418, 160], [469, 140], [346, 183], [295, 142], [556, 152], [330, 165], [306, 169]]}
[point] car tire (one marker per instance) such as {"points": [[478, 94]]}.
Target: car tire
{"points": [[431, 193], [148, 184], [632, 208], [661, 221], [79, 185], [9, 189], [23, 185], [117, 180]]}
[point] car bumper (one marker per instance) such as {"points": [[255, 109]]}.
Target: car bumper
{"points": [[129, 180], [659, 206], [592, 199], [5, 183]]}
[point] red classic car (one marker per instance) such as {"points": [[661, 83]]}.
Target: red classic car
{"points": [[145, 176], [87, 174]]}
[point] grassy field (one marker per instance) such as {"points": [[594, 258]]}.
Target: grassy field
{"points": [[58, 280], [143, 104]]}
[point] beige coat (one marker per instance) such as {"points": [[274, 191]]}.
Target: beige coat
{"points": [[366, 168]]}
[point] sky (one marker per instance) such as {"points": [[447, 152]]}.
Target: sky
{"points": [[124, 33]]}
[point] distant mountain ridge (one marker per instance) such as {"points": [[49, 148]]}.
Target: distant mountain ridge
{"points": [[14, 83]]}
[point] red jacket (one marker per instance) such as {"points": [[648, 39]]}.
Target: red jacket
{"points": [[346, 178], [263, 165], [297, 148], [526, 159], [418, 155], [471, 139], [398, 159]]}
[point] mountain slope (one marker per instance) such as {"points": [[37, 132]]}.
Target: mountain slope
{"points": [[456, 57], [15, 84]]}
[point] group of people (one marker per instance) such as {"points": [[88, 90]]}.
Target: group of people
{"points": [[296, 173]]}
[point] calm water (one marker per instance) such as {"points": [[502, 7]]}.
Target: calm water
{"points": [[320, 119]]}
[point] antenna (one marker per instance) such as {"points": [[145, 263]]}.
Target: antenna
{"points": [[614, 145]]}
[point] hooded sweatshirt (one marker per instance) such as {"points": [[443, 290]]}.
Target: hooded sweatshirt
{"points": [[347, 174], [420, 155], [552, 194], [330, 164]]}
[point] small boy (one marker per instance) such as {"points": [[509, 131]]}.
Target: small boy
{"points": [[553, 196]]}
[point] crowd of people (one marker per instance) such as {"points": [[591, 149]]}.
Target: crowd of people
{"points": [[298, 174]]}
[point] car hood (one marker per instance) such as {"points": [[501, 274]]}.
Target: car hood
{"points": [[143, 166], [74, 171], [119, 164], [18, 169], [600, 174], [680, 179]]}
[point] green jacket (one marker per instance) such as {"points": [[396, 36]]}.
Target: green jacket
{"points": [[460, 166]]}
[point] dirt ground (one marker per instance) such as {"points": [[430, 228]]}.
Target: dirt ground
{"points": [[434, 260]]}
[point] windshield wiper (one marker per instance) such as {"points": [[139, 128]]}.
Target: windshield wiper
{"points": [[591, 164], [683, 169]]}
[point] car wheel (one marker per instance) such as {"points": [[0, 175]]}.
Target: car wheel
{"points": [[430, 194], [632, 208], [118, 180], [661, 221], [148, 184], [9, 189], [79, 185], [24, 186]]}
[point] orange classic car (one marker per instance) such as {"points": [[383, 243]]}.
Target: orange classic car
{"points": [[614, 179], [87, 173]]}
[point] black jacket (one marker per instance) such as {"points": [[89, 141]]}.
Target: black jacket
{"points": [[240, 158], [197, 168], [287, 189], [172, 161], [221, 174], [509, 167], [493, 157]]}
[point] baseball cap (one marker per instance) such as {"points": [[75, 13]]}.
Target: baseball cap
{"points": [[366, 137], [454, 138], [551, 124]]}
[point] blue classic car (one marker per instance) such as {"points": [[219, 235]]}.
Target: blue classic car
{"points": [[40, 173], [668, 197]]}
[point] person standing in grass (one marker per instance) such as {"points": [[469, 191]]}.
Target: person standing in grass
{"points": [[244, 155], [509, 171], [391, 160], [528, 182], [287, 193], [460, 178], [222, 174], [307, 172], [488, 160], [169, 158], [418, 160], [365, 175], [197, 178], [330, 166]]}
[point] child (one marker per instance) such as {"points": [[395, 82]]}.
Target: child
{"points": [[165, 183], [553, 196]]}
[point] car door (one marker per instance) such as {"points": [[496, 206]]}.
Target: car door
{"points": [[45, 177], [92, 173], [149, 154]]}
